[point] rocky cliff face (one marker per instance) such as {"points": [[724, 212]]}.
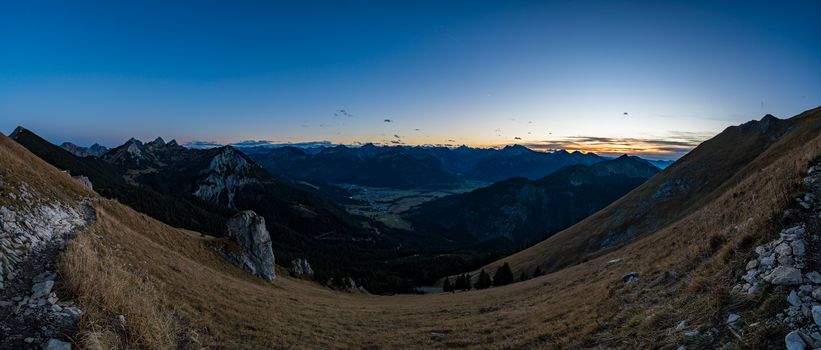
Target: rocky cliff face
{"points": [[255, 254], [228, 172]]}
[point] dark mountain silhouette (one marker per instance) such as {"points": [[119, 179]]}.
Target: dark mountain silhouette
{"points": [[524, 211], [413, 167], [94, 150]]}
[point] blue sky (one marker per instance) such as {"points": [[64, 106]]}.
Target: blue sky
{"points": [[545, 74]]}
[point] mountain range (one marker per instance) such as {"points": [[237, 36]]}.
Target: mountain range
{"points": [[525, 211], [200, 188], [661, 265], [409, 167]]}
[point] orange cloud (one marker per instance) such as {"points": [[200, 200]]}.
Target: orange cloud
{"points": [[675, 146]]}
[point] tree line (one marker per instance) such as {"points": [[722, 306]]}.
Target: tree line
{"points": [[503, 276]]}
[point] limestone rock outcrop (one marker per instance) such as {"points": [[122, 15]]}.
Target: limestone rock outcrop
{"points": [[254, 253], [301, 268]]}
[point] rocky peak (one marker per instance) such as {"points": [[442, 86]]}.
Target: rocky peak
{"points": [[17, 131], [228, 171], [134, 141], [95, 150], [133, 149], [256, 255], [173, 143]]}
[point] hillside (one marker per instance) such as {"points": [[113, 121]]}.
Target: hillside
{"points": [[698, 178], [198, 189], [526, 211], [173, 291]]}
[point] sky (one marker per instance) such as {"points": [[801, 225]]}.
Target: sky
{"points": [[651, 78]]}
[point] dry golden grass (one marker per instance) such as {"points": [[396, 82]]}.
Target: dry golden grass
{"points": [[175, 292]]}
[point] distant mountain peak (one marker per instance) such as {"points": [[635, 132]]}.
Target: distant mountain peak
{"points": [[516, 149], [95, 150], [134, 141], [17, 131], [158, 141], [173, 142]]}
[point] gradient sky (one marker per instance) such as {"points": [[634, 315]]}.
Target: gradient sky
{"points": [[545, 74]]}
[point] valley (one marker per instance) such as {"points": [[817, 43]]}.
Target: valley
{"points": [[625, 290], [380, 175], [387, 205]]}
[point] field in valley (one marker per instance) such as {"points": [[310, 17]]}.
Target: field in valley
{"points": [[387, 204]]}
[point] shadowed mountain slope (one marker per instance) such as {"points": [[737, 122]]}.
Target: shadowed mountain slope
{"points": [[525, 211], [696, 179]]}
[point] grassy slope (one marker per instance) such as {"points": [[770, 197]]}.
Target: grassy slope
{"points": [[181, 294], [709, 171]]}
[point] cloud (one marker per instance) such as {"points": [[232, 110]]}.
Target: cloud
{"points": [[673, 146], [517, 138], [342, 113], [202, 144], [397, 136], [388, 121]]}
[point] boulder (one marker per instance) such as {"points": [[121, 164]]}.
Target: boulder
{"points": [[631, 277], [785, 276], [41, 289], [750, 276], [794, 341], [301, 268], [783, 249], [793, 299], [816, 314], [767, 261], [248, 230], [73, 311], [56, 344], [814, 277], [798, 247]]}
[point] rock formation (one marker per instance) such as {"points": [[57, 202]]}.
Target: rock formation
{"points": [[789, 262], [226, 174], [255, 254], [85, 181], [301, 268], [33, 230]]}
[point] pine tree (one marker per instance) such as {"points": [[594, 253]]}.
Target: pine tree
{"points": [[523, 277], [460, 283], [538, 272], [503, 275], [446, 287], [484, 280], [468, 282]]}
